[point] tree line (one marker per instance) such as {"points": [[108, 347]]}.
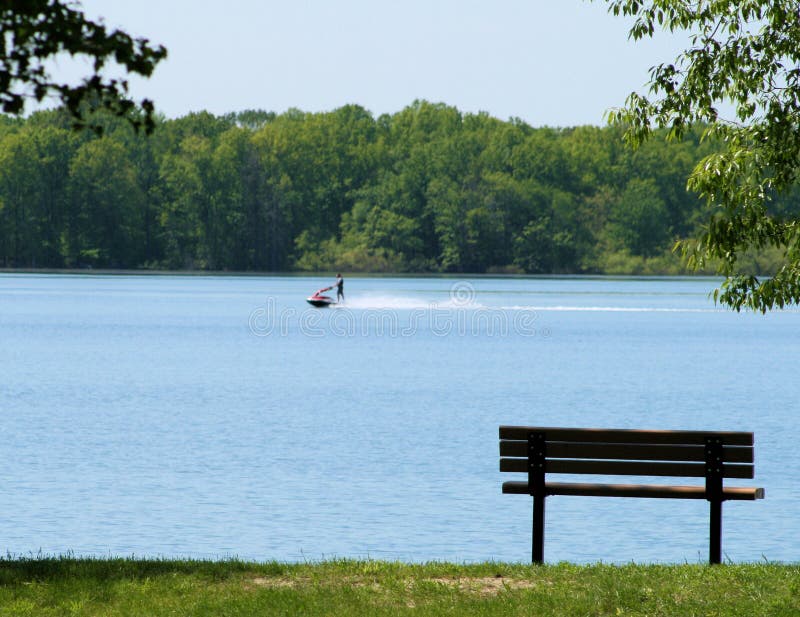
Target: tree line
{"points": [[428, 189]]}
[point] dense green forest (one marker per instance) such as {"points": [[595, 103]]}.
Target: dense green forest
{"points": [[428, 189]]}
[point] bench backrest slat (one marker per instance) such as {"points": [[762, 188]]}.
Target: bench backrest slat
{"points": [[627, 468], [729, 438], [628, 452]]}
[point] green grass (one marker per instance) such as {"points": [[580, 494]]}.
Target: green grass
{"points": [[66, 586]]}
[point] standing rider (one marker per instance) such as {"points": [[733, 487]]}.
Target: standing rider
{"points": [[339, 284]]}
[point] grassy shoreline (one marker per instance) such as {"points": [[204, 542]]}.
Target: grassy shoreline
{"points": [[86, 586]]}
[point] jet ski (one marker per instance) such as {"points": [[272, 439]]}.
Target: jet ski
{"points": [[319, 300]]}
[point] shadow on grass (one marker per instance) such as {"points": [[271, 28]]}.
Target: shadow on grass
{"points": [[15, 570]]}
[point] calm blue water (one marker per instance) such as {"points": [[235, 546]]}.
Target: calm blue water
{"points": [[221, 416]]}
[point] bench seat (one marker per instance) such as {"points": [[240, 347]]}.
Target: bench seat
{"points": [[634, 490]]}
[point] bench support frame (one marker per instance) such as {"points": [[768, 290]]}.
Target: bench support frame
{"points": [[537, 453], [714, 460]]}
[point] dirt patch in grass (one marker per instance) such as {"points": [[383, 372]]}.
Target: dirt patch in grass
{"points": [[275, 583], [482, 585]]}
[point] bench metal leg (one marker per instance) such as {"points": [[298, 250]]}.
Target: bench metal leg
{"points": [[537, 548], [715, 533]]}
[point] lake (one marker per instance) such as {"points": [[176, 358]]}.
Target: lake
{"points": [[222, 416]]}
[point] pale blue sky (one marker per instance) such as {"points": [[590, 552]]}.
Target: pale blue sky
{"points": [[549, 62]]}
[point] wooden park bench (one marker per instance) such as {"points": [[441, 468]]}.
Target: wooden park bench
{"points": [[539, 451]]}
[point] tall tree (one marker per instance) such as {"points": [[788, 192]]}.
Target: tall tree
{"points": [[54, 149], [19, 244], [639, 220], [746, 54], [185, 214], [105, 222]]}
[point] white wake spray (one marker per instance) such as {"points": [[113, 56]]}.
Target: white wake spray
{"points": [[386, 302]]}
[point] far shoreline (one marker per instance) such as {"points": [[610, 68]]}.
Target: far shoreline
{"points": [[89, 272]]}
